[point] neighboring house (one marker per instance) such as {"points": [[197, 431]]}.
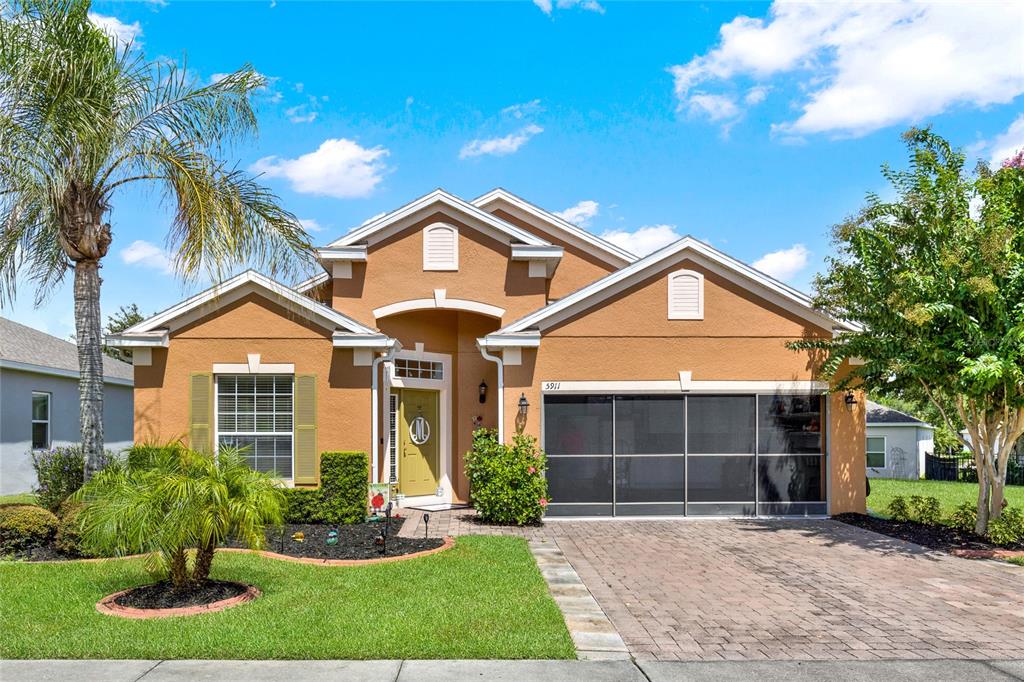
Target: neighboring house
{"points": [[658, 386], [39, 406], [896, 443]]}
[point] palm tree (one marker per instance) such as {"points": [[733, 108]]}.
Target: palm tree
{"points": [[166, 501], [84, 116]]}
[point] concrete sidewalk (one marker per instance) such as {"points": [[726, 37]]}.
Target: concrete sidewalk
{"points": [[513, 671]]}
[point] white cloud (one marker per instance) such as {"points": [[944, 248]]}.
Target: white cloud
{"points": [[581, 214], [643, 240], [546, 6], [145, 254], [1007, 143], [756, 94], [126, 33], [715, 107], [524, 109], [310, 225], [785, 263], [339, 168], [865, 66], [299, 114], [500, 146]]}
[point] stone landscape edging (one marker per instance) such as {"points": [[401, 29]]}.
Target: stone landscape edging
{"points": [[988, 553], [109, 607], [449, 542]]}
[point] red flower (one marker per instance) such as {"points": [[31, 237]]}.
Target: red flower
{"points": [[530, 470], [542, 502]]}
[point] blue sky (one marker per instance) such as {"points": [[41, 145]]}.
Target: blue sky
{"points": [[754, 126]]}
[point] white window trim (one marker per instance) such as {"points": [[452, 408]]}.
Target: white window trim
{"points": [[290, 481], [451, 265], [682, 315], [47, 421], [885, 452]]}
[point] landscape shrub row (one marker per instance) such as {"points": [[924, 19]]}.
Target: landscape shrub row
{"points": [[343, 494], [1008, 529]]}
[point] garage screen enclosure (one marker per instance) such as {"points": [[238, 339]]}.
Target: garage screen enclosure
{"points": [[693, 455]]}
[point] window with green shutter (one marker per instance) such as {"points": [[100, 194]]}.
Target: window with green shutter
{"points": [[255, 413]]}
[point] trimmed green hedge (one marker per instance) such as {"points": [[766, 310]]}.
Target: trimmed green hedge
{"points": [[343, 495]]}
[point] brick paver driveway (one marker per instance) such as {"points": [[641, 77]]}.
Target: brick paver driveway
{"points": [[757, 589]]}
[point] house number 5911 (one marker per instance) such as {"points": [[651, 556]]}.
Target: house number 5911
{"points": [[552, 385]]}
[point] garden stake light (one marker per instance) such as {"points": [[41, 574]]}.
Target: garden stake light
{"points": [[426, 525]]}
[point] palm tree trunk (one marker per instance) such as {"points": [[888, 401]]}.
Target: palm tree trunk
{"points": [[204, 561], [179, 569], [90, 362]]}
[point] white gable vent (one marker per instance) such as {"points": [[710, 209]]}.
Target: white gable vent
{"points": [[686, 295], [440, 247]]}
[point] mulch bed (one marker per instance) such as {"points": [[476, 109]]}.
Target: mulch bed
{"points": [[355, 541], [46, 552], [162, 595], [938, 537]]}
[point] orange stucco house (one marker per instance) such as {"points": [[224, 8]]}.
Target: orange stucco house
{"points": [[658, 386]]}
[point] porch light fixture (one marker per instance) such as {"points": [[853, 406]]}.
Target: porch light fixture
{"points": [[850, 399], [483, 391], [524, 405]]}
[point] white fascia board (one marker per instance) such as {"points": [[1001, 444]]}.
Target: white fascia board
{"points": [[371, 341], [330, 254], [153, 339], [438, 196], [703, 254], [724, 386], [325, 315], [918, 425], [584, 239], [311, 283], [530, 252], [57, 372], [519, 340]]}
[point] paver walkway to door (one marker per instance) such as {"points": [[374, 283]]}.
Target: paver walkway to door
{"points": [[783, 590]]}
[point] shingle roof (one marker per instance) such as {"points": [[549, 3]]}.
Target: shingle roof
{"points": [[19, 343], [880, 414]]}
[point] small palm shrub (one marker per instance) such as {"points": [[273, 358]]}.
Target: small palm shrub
{"points": [[899, 510], [167, 501], [23, 526], [1008, 529], [925, 509], [964, 517], [506, 482]]}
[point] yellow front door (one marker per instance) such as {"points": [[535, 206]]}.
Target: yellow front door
{"points": [[419, 431]]}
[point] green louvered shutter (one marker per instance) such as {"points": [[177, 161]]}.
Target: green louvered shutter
{"points": [[305, 429], [201, 411]]}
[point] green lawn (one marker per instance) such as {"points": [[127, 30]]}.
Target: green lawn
{"points": [[20, 498], [484, 598], [949, 493]]}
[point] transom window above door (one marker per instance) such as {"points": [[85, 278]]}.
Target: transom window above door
{"points": [[418, 369]]}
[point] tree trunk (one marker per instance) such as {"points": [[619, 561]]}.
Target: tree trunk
{"points": [[90, 362], [204, 560], [179, 569], [981, 526]]}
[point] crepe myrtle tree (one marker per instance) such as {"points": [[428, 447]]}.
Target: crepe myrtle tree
{"points": [[83, 116], [936, 277]]}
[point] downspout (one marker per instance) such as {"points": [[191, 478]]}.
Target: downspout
{"points": [[501, 387], [388, 355]]}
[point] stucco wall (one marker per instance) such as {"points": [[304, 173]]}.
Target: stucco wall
{"points": [[254, 325], [16, 387]]}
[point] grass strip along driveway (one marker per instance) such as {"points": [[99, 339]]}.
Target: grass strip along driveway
{"points": [[949, 493], [484, 598]]}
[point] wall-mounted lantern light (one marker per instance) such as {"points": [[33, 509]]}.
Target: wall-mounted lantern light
{"points": [[483, 391], [524, 405], [850, 399]]}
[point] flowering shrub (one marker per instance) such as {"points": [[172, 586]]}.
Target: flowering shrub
{"points": [[506, 482], [925, 509], [60, 472]]}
